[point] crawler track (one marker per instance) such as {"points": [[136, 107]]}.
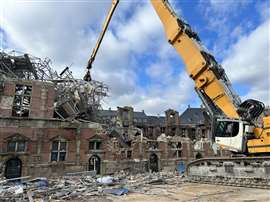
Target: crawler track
{"points": [[253, 172]]}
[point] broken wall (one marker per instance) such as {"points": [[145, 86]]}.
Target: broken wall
{"points": [[38, 102]]}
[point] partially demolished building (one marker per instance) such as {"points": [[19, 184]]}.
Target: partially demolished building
{"points": [[52, 124], [40, 113]]}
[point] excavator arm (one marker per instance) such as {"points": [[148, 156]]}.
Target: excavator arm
{"points": [[87, 76], [210, 80]]}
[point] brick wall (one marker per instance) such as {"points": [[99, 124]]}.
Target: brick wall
{"points": [[42, 98]]}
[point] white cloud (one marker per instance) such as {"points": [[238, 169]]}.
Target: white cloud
{"points": [[220, 17], [157, 98], [246, 60], [160, 72], [263, 8], [248, 63], [53, 29]]}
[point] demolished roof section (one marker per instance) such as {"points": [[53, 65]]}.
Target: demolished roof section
{"points": [[75, 98]]}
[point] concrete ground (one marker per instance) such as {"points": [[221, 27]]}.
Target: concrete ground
{"points": [[197, 193]]}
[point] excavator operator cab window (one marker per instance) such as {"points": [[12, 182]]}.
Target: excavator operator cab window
{"points": [[227, 129]]}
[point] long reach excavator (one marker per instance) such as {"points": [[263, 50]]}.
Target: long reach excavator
{"points": [[237, 126]]}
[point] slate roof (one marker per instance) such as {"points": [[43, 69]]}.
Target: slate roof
{"points": [[190, 116], [139, 115], [156, 120], [193, 116], [105, 113], [150, 120]]}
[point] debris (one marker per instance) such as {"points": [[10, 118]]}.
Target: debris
{"points": [[157, 181], [75, 98], [14, 179], [181, 168], [40, 182], [30, 197], [84, 173], [105, 180], [116, 191], [80, 187], [18, 189]]}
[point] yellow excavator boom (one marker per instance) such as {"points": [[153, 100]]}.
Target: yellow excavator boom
{"points": [[87, 77], [199, 64]]}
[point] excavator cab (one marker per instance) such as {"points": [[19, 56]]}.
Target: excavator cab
{"points": [[232, 134]]}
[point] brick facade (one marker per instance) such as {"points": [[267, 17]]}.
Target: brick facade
{"points": [[35, 143]]}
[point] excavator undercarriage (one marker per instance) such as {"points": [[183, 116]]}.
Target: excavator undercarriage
{"points": [[236, 171]]}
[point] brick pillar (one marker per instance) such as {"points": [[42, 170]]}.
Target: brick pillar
{"points": [[40, 133], [78, 145]]}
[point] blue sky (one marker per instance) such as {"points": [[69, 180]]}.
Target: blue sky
{"points": [[135, 60]]}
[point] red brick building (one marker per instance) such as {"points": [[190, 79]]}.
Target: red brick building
{"points": [[33, 142]]}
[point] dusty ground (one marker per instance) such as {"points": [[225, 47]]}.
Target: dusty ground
{"points": [[193, 192]]}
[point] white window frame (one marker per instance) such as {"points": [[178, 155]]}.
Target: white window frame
{"points": [[58, 150]]}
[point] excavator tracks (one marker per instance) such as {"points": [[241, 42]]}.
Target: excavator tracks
{"points": [[253, 172]]}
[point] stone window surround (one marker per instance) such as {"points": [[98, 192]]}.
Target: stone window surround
{"points": [[25, 88], [177, 147], [95, 141], [126, 153], [59, 140], [17, 138]]}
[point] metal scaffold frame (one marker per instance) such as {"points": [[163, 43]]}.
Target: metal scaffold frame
{"points": [[75, 98]]}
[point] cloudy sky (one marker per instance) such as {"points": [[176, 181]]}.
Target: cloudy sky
{"points": [[135, 60]]}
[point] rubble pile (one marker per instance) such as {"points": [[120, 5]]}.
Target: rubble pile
{"points": [[83, 188], [75, 98]]}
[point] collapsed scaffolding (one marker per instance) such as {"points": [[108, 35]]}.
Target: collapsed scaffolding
{"points": [[75, 98]]}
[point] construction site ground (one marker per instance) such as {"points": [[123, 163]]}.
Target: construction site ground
{"points": [[124, 187], [190, 192], [199, 192]]}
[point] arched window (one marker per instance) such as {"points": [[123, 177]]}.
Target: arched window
{"points": [[198, 156], [13, 168], [153, 163], [94, 164]]}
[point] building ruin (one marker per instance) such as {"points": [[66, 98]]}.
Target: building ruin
{"points": [[52, 124]]}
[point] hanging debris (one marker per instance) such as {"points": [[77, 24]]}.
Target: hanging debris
{"points": [[75, 98]]}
